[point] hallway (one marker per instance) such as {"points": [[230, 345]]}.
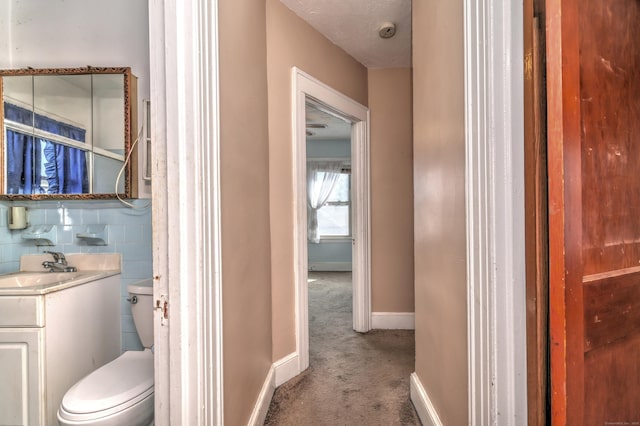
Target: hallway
{"points": [[353, 379]]}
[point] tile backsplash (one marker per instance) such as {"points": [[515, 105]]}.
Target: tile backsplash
{"points": [[128, 233]]}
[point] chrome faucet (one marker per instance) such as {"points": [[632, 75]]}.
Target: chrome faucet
{"points": [[59, 263]]}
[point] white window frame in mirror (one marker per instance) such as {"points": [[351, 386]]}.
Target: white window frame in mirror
{"points": [[129, 136]]}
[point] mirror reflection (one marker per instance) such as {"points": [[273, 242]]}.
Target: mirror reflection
{"points": [[66, 132]]}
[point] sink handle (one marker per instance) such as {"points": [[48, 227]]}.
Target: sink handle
{"points": [[58, 257]]}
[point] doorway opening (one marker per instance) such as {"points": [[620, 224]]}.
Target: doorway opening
{"points": [[308, 91], [329, 226]]}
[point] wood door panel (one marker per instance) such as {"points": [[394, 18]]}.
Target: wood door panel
{"points": [[611, 308], [612, 376], [605, 258], [593, 74], [610, 118]]}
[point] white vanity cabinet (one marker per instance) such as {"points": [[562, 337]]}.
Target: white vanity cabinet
{"points": [[49, 341], [21, 383]]}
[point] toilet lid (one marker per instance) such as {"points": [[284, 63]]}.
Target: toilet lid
{"points": [[113, 384]]}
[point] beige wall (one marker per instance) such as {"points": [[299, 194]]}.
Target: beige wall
{"points": [[439, 159], [246, 267], [292, 42], [392, 190]]}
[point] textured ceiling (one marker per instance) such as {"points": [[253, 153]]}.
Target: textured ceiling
{"points": [[336, 129], [353, 25]]}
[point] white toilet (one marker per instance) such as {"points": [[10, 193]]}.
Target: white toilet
{"points": [[120, 392]]}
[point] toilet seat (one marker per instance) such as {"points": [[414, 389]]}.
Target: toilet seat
{"points": [[113, 388]]}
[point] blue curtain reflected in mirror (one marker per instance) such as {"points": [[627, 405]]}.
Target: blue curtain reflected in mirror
{"points": [[36, 165]]}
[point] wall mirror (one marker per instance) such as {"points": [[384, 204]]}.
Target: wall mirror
{"points": [[67, 132]]}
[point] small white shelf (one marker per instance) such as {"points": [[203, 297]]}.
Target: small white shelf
{"points": [[41, 235], [94, 235]]}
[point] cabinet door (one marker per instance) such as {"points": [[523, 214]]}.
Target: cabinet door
{"points": [[21, 379]]}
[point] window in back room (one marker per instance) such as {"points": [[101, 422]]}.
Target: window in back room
{"points": [[334, 217]]}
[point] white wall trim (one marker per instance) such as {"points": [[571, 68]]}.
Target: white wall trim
{"points": [[286, 368], [186, 211], [330, 266], [494, 111], [261, 408], [393, 320], [304, 86], [425, 409]]}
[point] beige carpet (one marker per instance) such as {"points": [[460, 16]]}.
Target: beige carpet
{"points": [[353, 378]]}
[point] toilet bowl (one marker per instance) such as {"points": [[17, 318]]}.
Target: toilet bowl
{"points": [[120, 392]]}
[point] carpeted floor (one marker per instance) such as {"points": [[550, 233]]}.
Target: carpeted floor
{"points": [[353, 378]]}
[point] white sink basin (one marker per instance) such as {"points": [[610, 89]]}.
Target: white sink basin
{"points": [[28, 279], [32, 279]]}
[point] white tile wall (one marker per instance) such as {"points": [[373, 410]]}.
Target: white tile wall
{"points": [[129, 233]]}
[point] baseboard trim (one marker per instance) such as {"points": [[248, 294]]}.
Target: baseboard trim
{"points": [[393, 320], [286, 368], [330, 266], [261, 408], [426, 411]]}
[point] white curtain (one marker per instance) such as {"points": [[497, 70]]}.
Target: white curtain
{"points": [[321, 179]]}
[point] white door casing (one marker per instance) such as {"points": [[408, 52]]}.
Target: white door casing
{"points": [[303, 87], [186, 212], [494, 139]]}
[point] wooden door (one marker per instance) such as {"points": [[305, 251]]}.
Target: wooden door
{"points": [[536, 219], [593, 95]]}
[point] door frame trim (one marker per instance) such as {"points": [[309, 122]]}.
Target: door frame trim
{"points": [[564, 140], [187, 272], [494, 140], [303, 86]]}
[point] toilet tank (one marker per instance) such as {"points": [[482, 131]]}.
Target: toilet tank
{"points": [[142, 309]]}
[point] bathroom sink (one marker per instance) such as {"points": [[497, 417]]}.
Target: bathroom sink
{"points": [[28, 279], [32, 279]]}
